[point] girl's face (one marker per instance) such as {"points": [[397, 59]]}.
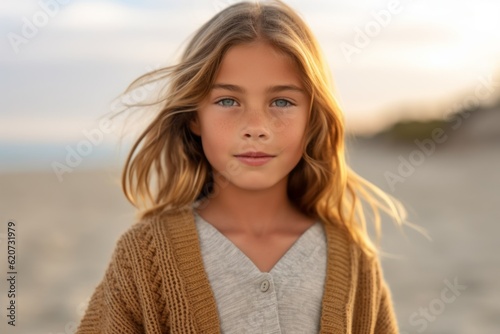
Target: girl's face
{"points": [[257, 104]]}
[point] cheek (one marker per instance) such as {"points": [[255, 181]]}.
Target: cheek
{"points": [[293, 142], [282, 123], [292, 132], [293, 137], [216, 137]]}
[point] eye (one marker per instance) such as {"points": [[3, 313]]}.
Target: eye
{"points": [[226, 102], [282, 103]]}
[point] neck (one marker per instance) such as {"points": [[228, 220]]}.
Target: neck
{"points": [[252, 212]]}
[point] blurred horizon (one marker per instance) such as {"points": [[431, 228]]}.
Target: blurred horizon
{"points": [[474, 127]]}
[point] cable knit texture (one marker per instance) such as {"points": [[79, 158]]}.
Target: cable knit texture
{"points": [[155, 283]]}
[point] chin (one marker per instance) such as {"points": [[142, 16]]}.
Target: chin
{"points": [[254, 183]]}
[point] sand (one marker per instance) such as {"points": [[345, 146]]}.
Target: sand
{"points": [[66, 233]]}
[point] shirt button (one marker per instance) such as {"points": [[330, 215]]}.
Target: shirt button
{"points": [[264, 286]]}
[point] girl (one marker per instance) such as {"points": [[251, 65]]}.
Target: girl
{"points": [[250, 219]]}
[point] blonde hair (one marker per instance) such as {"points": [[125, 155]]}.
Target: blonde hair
{"points": [[166, 168]]}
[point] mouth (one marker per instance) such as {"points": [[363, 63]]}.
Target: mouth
{"points": [[254, 155], [254, 160]]}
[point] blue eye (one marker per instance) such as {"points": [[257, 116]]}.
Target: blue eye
{"points": [[283, 103], [224, 104], [280, 103]]}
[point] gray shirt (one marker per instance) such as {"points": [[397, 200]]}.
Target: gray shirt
{"points": [[287, 299]]}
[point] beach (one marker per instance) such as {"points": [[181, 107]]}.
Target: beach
{"points": [[66, 232]]}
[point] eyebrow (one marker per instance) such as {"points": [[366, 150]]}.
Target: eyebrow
{"points": [[272, 89]]}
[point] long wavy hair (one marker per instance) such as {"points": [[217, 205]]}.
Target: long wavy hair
{"points": [[166, 168]]}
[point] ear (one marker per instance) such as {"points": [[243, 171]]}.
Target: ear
{"points": [[194, 125]]}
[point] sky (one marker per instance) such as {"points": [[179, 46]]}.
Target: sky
{"points": [[63, 62]]}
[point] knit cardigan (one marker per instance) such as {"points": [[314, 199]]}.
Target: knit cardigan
{"points": [[155, 283]]}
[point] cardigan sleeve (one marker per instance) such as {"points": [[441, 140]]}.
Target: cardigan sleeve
{"points": [[386, 317], [113, 306]]}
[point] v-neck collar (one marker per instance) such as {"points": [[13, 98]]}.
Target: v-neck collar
{"points": [[243, 257], [180, 229]]}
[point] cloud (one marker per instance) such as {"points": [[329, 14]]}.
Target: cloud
{"points": [[91, 50]]}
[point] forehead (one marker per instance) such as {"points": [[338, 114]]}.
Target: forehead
{"points": [[257, 63]]}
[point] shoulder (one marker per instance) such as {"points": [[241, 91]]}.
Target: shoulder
{"points": [[156, 231], [139, 232], [129, 247], [349, 253], [144, 229]]}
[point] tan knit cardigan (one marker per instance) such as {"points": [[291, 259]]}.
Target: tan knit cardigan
{"points": [[156, 283]]}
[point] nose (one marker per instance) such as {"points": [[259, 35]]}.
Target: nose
{"points": [[256, 125]]}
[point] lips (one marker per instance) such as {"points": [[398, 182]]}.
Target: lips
{"points": [[255, 155], [254, 159]]}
